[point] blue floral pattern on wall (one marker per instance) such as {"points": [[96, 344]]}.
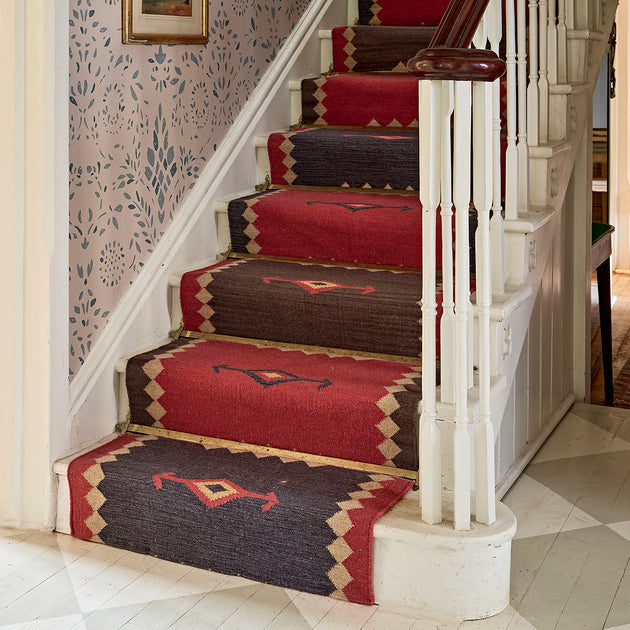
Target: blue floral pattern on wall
{"points": [[144, 121]]}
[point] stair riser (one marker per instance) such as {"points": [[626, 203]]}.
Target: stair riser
{"points": [[373, 49], [333, 307], [345, 158], [361, 101]]}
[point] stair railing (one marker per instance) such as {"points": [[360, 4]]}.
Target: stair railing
{"points": [[457, 82], [459, 95]]}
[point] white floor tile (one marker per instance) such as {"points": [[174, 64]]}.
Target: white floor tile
{"points": [[576, 437], [538, 509], [388, 620], [306, 611], [579, 519], [497, 622], [346, 616]]}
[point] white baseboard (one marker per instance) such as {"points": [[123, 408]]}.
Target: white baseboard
{"points": [[515, 470]]}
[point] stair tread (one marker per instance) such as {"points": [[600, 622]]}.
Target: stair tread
{"points": [[347, 158], [362, 48], [369, 310], [291, 399], [265, 518], [361, 100], [397, 13], [362, 227]]}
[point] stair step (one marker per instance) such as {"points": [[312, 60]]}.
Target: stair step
{"points": [[328, 404], [361, 100], [416, 566], [273, 520], [368, 310], [377, 48], [369, 228], [400, 13], [346, 158]]}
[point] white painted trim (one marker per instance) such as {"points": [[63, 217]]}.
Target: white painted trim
{"points": [[199, 200], [528, 454], [34, 259]]}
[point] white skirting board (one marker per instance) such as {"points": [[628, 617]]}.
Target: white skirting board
{"points": [[431, 569]]}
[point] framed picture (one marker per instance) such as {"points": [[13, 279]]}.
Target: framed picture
{"points": [[165, 21]]}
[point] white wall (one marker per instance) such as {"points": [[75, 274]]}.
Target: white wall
{"points": [[33, 255], [618, 138]]}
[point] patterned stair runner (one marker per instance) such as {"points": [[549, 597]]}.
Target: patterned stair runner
{"points": [[362, 227], [347, 158], [359, 227], [367, 310], [399, 13], [377, 49], [284, 522], [361, 100], [347, 407]]}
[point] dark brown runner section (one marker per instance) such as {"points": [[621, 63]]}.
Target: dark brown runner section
{"points": [[357, 309], [377, 49]]}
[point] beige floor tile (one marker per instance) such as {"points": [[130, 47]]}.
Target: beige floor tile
{"points": [[497, 622], [578, 519], [539, 510], [388, 620], [214, 608], [346, 616], [623, 528], [619, 613], [520, 623], [592, 482], [306, 609], [74, 622], [590, 601], [578, 436], [111, 618], [259, 610], [95, 592]]}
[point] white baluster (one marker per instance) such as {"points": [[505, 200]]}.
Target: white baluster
{"points": [[461, 197], [562, 41], [479, 41], [533, 104], [495, 32], [430, 93], [482, 196], [447, 322], [511, 154], [570, 6], [552, 43], [522, 147], [543, 81]]}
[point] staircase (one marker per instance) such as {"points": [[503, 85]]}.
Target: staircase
{"points": [[304, 347]]}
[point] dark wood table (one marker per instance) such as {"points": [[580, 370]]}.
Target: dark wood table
{"points": [[601, 249]]}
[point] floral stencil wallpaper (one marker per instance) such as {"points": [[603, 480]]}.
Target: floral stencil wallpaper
{"points": [[144, 121]]}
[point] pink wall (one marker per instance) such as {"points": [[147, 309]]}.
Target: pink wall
{"points": [[144, 121]]}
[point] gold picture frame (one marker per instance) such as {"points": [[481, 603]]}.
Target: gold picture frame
{"points": [[165, 21]]}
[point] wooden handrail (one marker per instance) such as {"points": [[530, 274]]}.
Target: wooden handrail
{"points": [[449, 57]]}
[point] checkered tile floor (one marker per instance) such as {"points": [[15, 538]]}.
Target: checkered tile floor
{"points": [[571, 562]]}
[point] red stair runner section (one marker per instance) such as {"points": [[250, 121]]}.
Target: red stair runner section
{"points": [[339, 406], [369, 228], [361, 100], [397, 13]]}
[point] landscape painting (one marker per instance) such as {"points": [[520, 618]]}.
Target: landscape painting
{"points": [[165, 21], [167, 7]]}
